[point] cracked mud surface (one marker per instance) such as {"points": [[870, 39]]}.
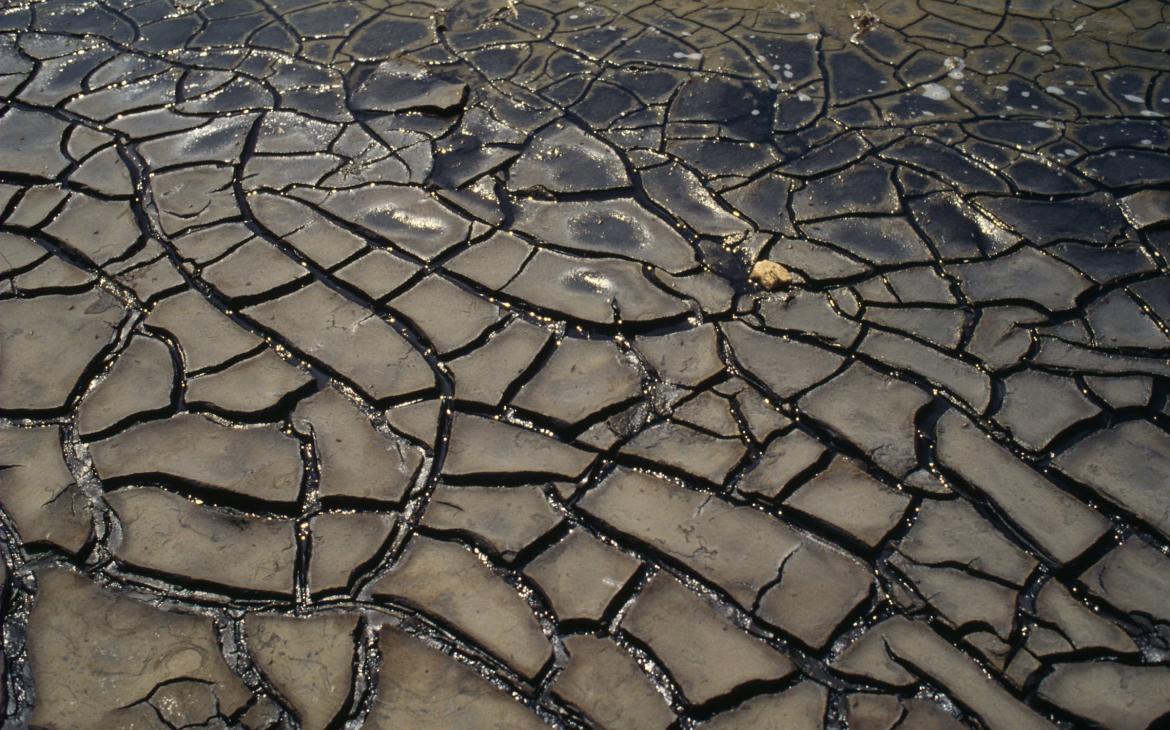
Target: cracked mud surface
{"points": [[584, 364]]}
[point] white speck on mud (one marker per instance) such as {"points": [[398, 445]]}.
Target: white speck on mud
{"points": [[936, 92]]}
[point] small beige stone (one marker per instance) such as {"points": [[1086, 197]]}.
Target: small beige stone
{"points": [[770, 276]]}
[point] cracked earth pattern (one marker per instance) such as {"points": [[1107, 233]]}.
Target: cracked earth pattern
{"points": [[618, 363]]}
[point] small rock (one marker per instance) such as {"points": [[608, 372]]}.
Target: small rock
{"points": [[770, 276]]}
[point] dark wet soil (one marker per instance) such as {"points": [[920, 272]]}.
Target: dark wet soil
{"points": [[584, 364]]}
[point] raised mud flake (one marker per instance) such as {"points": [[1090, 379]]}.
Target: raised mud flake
{"points": [[864, 187], [563, 158], [704, 652], [342, 545], [879, 239], [1081, 627], [505, 519], [818, 588], [249, 386], [687, 357], [846, 498], [1146, 208], [785, 366], [618, 227], [762, 416], [32, 142], [764, 201], [37, 490], [150, 281], [1094, 218], [419, 420], [873, 411], [712, 293], [422, 687], [356, 460], [593, 289], [1118, 320], [53, 275], [207, 337], [405, 216], [608, 685], [783, 460], [581, 575], [355, 342], [963, 599], [447, 315], [95, 655], [492, 262], [377, 273], [308, 231], [707, 411], [886, 712], [1110, 694], [258, 463], [1059, 524], [483, 375], [1038, 406], [680, 191], [807, 313], [309, 661], [737, 548], [942, 327], [1025, 274], [691, 451], [581, 378], [219, 142], [100, 230], [168, 534], [18, 252], [47, 343], [914, 644], [254, 269], [484, 446], [207, 244], [449, 582], [195, 196], [140, 382], [1132, 577], [962, 379], [952, 532], [399, 85], [798, 708], [1127, 464]]}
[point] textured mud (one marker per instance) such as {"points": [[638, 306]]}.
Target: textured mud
{"points": [[619, 364]]}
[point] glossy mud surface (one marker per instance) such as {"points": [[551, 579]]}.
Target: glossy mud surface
{"points": [[585, 364]]}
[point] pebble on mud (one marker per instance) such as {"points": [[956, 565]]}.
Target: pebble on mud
{"points": [[770, 276]]}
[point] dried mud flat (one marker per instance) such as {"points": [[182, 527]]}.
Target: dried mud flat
{"points": [[584, 364]]}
